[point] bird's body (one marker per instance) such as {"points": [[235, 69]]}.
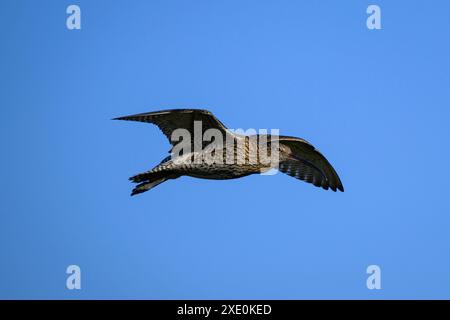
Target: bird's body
{"points": [[232, 157]]}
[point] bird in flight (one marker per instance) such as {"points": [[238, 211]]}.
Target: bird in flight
{"points": [[229, 155]]}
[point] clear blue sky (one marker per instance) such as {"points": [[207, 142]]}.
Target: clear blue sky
{"points": [[376, 103]]}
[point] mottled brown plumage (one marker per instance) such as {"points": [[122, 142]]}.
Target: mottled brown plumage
{"points": [[297, 157]]}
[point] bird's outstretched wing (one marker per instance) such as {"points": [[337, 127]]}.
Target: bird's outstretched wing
{"points": [[170, 120], [309, 165]]}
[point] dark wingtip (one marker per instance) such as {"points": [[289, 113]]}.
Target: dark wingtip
{"points": [[339, 187], [135, 192]]}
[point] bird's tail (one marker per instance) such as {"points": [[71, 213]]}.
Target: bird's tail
{"points": [[149, 180]]}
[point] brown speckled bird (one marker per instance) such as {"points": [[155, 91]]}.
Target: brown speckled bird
{"points": [[297, 157]]}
